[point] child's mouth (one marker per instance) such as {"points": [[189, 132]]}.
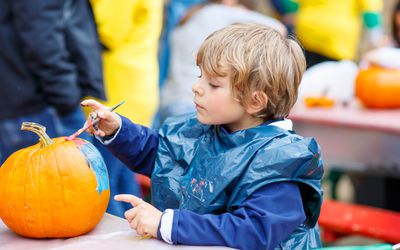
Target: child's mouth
{"points": [[198, 106]]}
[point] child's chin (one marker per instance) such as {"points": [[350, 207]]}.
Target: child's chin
{"points": [[202, 119]]}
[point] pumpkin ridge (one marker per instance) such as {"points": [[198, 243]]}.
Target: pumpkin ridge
{"points": [[26, 224], [32, 154], [15, 173], [66, 149], [65, 215], [11, 179], [41, 193], [75, 161], [38, 194], [7, 194], [46, 229]]}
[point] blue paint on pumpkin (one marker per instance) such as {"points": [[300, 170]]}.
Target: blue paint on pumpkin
{"points": [[96, 162]]}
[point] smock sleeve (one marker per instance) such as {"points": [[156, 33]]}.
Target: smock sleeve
{"points": [[134, 145], [262, 221]]}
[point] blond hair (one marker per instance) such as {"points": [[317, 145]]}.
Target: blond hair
{"points": [[257, 58]]}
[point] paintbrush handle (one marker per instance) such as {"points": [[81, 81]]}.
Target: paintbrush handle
{"points": [[116, 106]]}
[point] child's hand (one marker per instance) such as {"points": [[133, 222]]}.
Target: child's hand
{"points": [[109, 121], [143, 217]]}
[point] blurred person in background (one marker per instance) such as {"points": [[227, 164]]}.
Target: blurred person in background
{"points": [[388, 56], [49, 60], [174, 11], [129, 32], [332, 30], [199, 22]]}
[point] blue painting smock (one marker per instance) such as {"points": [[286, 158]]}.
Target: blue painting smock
{"points": [[203, 172]]}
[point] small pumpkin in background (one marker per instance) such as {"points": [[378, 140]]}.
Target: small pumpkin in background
{"points": [[319, 101], [54, 189], [378, 87]]}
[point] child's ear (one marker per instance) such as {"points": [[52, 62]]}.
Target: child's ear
{"points": [[258, 102]]}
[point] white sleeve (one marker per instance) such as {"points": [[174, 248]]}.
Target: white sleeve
{"points": [[107, 141], [166, 225]]}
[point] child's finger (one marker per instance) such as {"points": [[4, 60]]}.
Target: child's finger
{"points": [[130, 214], [96, 116], [139, 229], [128, 198], [105, 115], [92, 104], [134, 223]]}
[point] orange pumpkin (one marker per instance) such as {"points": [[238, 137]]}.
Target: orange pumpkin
{"points": [[53, 189], [378, 87]]}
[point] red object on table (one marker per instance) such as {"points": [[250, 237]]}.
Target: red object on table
{"points": [[339, 218]]}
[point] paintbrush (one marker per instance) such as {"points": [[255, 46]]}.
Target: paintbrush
{"points": [[92, 122]]}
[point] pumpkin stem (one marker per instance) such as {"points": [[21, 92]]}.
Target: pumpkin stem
{"points": [[40, 131]]}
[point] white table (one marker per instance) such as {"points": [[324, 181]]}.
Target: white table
{"points": [[353, 138], [111, 233]]}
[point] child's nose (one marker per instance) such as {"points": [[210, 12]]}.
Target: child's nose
{"points": [[197, 89]]}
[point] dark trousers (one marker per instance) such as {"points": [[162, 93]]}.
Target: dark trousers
{"points": [[12, 138]]}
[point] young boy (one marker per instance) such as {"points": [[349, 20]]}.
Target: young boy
{"points": [[234, 173]]}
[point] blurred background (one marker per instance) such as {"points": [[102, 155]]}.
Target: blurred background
{"points": [[56, 53]]}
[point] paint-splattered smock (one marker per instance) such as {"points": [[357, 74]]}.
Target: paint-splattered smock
{"points": [[245, 189]]}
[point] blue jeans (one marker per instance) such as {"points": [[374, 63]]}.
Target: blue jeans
{"points": [[12, 138], [122, 181], [71, 122]]}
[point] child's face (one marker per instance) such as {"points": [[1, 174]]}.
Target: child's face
{"points": [[216, 105]]}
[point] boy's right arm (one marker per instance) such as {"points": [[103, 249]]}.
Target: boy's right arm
{"points": [[262, 221], [134, 145]]}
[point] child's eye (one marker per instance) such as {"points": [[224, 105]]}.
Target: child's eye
{"points": [[213, 85]]}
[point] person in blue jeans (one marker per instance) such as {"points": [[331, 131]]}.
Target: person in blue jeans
{"points": [[50, 59], [47, 66], [234, 173]]}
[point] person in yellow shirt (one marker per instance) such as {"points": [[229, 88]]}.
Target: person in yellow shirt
{"points": [[331, 30], [129, 31]]}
